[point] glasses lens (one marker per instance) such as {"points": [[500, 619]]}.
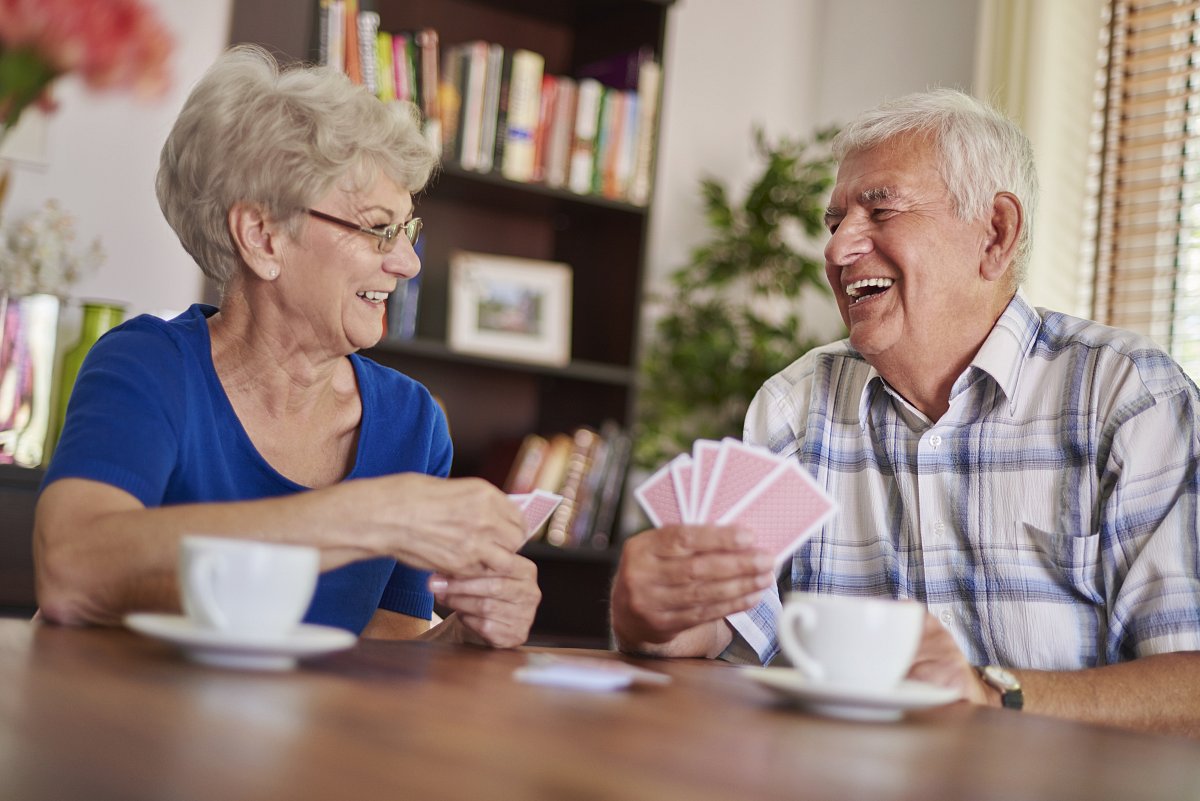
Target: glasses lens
{"points": [[412, 230]]}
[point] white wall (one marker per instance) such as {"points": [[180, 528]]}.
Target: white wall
{"points": [[791, 66], [102, 153]]}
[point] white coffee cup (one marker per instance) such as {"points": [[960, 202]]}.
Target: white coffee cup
{"points": [[246, 587], [865, 643]]}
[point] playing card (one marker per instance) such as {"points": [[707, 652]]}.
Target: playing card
{"points": [[704, 459], [782, 511], [681, 477], [739, 468], [536, 508], [656, 496]]}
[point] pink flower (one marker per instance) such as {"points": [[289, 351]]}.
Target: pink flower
{"points": [[117, 44]]}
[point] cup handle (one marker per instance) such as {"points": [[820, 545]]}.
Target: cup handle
{"points": [[806, 616], [202, 574]]}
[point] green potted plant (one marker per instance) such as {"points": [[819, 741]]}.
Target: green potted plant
{"points": [[731, 319]]}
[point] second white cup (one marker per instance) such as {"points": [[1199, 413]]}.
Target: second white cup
{"points": [[865, 643], [245, 587]]}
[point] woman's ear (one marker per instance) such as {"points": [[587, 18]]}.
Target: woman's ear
{"points": [[256, 238], [1004, 233]]}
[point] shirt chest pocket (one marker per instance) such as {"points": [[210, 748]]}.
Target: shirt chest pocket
{"points": [[1054, 565]]}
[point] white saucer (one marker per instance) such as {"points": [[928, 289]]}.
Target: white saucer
{"points": [[227, 649], [854, 703]]}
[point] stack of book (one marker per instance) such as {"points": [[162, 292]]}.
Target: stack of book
{"points": [[587, 468], [494, 109]]}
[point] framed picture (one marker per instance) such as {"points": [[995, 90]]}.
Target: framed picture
{"points": [[510, 308]]}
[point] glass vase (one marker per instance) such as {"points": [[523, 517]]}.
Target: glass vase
{"points": [[28, 328], [98, 317]]}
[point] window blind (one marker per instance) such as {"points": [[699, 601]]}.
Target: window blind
{"points": [[1147, 250]]}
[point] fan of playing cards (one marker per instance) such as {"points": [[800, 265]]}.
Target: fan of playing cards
{"points": [[730, 483]]}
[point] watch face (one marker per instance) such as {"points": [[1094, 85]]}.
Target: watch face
{"points": [[1001, 677]]}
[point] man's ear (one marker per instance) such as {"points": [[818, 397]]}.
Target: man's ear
{"points": [[1004, 232], [256, 239]]}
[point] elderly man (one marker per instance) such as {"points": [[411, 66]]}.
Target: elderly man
{"points": [[1030, 477]]}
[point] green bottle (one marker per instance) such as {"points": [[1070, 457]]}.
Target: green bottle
{"points": [[98, 317]]}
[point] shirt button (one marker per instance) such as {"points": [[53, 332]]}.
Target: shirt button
{"points": [[935, 441], [939, 529], [946, 616]]}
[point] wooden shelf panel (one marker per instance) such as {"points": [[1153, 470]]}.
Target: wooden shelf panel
{"points": [[594, 372]]}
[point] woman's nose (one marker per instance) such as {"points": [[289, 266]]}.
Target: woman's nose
{"points": [[403, 261]]}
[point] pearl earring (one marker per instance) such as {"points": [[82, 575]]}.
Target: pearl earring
{"points": [[274, 272]]}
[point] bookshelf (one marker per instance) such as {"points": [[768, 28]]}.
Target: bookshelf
{"points": [[492, 403]]}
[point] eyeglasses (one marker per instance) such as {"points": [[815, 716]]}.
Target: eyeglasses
{"points": [[386, 234]]}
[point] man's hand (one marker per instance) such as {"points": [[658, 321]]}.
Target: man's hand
{"points": [[494, 610], [674, 579], [939, 661]]}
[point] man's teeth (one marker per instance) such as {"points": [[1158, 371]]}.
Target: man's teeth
{"points": [[373, 296], [855, 290]]}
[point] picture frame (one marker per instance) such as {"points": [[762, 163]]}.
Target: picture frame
{"points": [[510, 308]]}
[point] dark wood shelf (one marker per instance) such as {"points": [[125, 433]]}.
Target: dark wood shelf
{"points": [[594, 372], [455, 182]]}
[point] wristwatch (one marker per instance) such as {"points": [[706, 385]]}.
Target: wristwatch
{"points": [[1011, 696]]}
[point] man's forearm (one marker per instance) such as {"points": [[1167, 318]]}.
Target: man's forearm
{"points": [[1153, 694]]}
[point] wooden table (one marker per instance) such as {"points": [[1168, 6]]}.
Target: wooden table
{"points": [[106, 714]]}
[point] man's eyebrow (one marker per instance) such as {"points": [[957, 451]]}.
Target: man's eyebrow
{"points": [[877, 194]]}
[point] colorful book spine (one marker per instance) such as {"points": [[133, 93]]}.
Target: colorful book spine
{"points": [[524, 103], [583, 146], [427, 45], [649, 88], [385, 74], [353, 67], [368, 32], [558, 157]]}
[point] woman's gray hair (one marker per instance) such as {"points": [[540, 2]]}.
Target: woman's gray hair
{"points": [[251, 132], [981, 152]]}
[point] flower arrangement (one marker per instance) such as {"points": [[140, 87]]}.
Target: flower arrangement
{"points": [[38, 255], [117, 44]]}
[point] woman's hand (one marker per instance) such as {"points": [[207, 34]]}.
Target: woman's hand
{"points": [[495, 610], [460, 528]]}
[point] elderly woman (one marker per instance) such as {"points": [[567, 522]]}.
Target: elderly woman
{"points": [[293, 192]]}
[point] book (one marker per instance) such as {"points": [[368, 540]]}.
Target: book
{"points": [[610, 492], [649, 87], [583, 446], [368, 32], [426, 42], [558, 155], [554, 466], [385, 72], [353, 68], [450, 100], [609, 98], [583, 144], [524, 102], [541, 136], [474, 66], [502, 109], [491, 106], [522, 476], [402, 77], [336, 35], [402, 309]]}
